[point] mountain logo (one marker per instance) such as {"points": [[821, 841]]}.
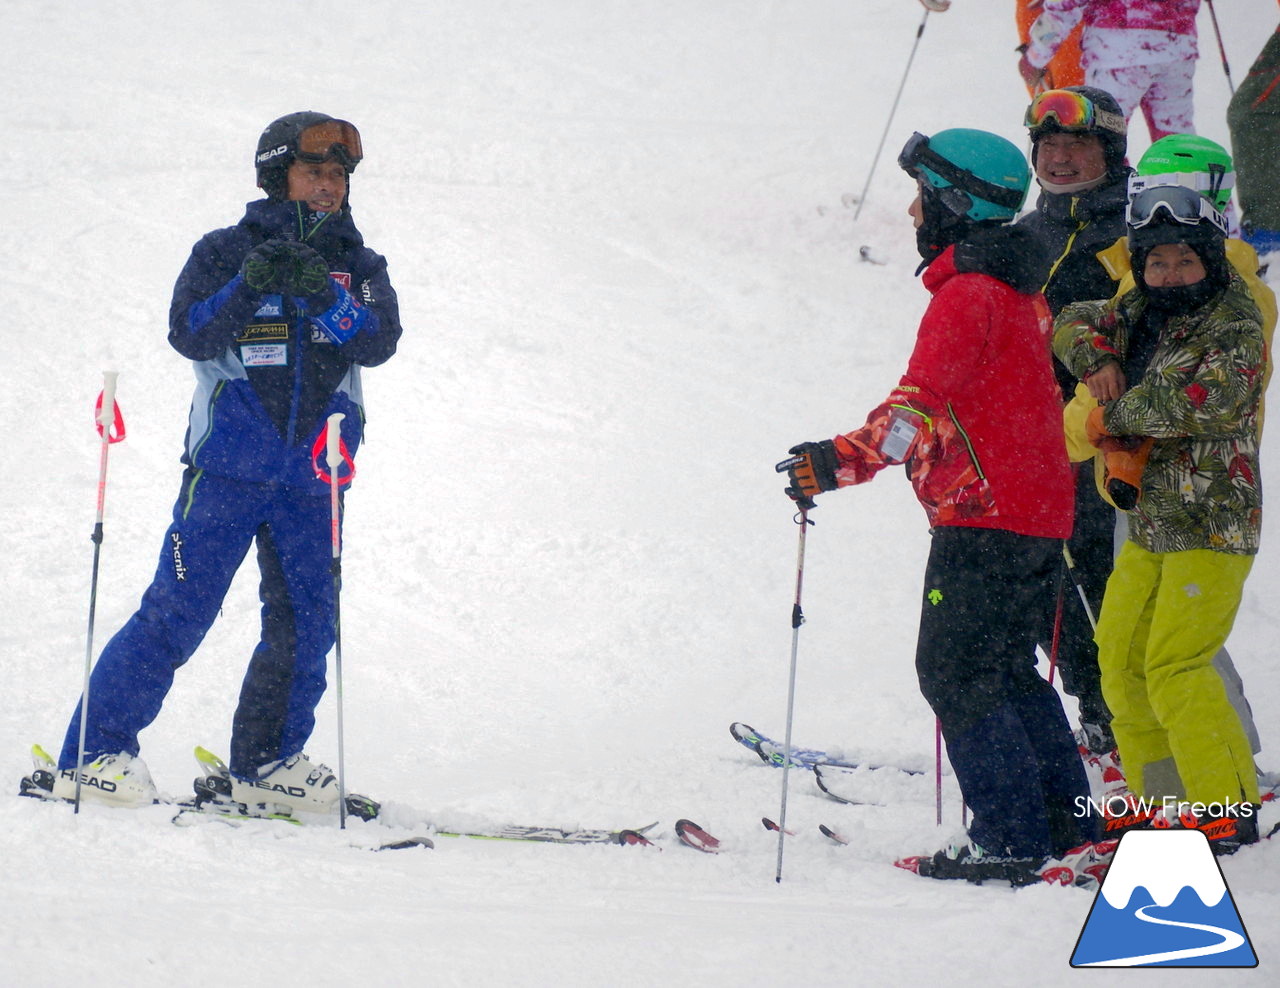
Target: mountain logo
{"points": [[1164, 903]]}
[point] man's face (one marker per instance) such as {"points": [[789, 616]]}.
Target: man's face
{"points": [[321, 186], [1070, 159]]}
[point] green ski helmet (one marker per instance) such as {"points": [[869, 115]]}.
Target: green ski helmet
{"points": [[1191, 161], [974, 175]]}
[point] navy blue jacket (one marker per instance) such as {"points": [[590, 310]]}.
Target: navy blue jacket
{"points": [[267, 378]]}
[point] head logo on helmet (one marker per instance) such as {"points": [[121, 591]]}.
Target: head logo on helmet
{"points": [[1191, 161], [309, 136]]}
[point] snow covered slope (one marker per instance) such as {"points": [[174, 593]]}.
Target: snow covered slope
{"points": [[628, 283]]}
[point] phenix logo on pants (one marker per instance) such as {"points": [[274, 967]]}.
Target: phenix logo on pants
{"points": [[179, 570], [1164, 903]]}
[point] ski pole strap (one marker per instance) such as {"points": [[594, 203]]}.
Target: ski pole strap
{"points": [[111, 425], [344, 458]]}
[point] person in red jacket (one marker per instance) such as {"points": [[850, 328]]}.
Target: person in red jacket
{"points": [[977, 419]]}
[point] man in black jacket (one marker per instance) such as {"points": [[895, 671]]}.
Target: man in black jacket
{"points": [[1078, 150]]}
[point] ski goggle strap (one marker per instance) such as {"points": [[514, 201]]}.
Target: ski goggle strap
{"points": [[1071, 111], [917, 154], [1212, 183], [332, 138], [1178, 203]]}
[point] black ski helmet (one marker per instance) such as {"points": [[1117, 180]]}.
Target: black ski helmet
{"points": [[279, 146], [1174, 214], [1106, 122]]}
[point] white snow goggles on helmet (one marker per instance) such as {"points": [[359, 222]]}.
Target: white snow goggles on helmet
{"points": [[1216, 184], [1176, 203]]}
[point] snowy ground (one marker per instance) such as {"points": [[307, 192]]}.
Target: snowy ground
{"points": [[628, 283]]}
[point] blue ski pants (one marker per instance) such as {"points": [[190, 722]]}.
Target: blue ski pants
{"points": [[215, 520]]}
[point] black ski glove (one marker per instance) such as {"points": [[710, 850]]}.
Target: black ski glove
{"points": [[268, 267], [288, 267], [812, 470], [311, 271], [310, 278]]}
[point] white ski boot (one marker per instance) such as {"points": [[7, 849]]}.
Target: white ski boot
{"points": [[117, 780], [293, 785]]}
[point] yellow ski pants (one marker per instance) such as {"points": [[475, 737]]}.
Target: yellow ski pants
{"points": [[1164, 617]]}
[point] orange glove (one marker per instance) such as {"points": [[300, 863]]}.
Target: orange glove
{"points": [[811, 470], [1124, 460]]}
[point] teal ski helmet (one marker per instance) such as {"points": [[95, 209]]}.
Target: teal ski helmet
{"points": [[974, 175]]}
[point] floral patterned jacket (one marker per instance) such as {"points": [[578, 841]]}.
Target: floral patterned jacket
{"points": [[1199, 399]]}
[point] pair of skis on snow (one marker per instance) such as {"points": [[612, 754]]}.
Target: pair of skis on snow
{"points": [[831, 773], [212, 800], [1082, 867]]}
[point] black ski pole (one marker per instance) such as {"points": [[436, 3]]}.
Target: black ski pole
{"points": [[1213, 16], [110, 425], [929, 7]]}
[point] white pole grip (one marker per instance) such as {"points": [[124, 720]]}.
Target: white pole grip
{"points": [[107, 414], [333, 444]]}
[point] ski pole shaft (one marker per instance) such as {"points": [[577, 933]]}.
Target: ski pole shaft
{"points": [[937, 768], [797, 619], [333, 455], [1071, 571], [862, 198], [1058, 608], [1213, 16], [107, 420]]}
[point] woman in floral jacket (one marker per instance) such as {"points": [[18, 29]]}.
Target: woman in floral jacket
{"points": [[1178, 361]]}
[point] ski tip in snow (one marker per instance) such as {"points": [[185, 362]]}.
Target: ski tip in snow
{"points": [[691, 835], [746, 736], [406, 843], [832, 835], [870, 255], [774, 826], [829, 778]]}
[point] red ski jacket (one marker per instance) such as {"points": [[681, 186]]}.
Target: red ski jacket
{"points": [[978, 415]]}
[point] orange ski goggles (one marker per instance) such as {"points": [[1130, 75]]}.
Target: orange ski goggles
{"points": [[1070, 111], [330, 139]]}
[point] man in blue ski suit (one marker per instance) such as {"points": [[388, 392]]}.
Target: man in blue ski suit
{"points": [[278, 313]]}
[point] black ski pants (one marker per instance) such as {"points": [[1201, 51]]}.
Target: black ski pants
{"points": [[1006, 734]]}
